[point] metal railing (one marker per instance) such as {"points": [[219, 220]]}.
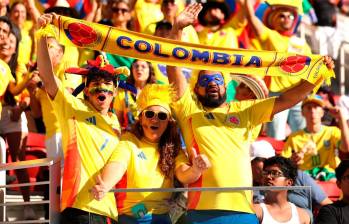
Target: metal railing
{"points": [[54, 198], [343, 50], [53, 184]]}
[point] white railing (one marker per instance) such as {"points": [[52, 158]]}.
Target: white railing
{"points": [[343, 51], [54, 198], [53, 184]]}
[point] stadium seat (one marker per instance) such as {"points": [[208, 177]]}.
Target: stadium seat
{"points": [[331, 189]]}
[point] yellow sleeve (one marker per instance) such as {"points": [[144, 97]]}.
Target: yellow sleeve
{"points": [[65, 104], [122, 153], [184, 106], [259, 111]]}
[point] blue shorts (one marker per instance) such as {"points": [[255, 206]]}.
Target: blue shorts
{"points": [[219, 217], [147, 219]]}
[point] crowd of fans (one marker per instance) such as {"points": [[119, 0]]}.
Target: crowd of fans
{"points": [[170, 126]]}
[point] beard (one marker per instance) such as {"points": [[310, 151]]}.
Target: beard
{"points": [[209, 101], [213, 22]]}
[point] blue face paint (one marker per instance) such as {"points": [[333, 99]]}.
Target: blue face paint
{"points": [[204, 80]]}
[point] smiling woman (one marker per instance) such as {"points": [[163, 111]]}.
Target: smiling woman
{"points": [[148, 156]]}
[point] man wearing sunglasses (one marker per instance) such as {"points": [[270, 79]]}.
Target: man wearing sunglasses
{"points": [[222, 132], [338, 212], [276, 32], [279, 171]]}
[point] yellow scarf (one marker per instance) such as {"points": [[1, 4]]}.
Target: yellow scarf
{"points": [[137, 45]]}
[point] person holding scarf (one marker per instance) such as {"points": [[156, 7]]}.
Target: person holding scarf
{"points": [[221, 131]]}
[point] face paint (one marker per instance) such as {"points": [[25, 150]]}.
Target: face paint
{"points": [[98, 89], [204, 80]]}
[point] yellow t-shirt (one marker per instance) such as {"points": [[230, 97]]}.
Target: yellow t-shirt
{"points": [[141, 159], [48, 113], [223, 135], [25, 47], [271, 40], [149, 12], [89, 139], [326, 142], [225, 37], [120, 103], [6, 78]]}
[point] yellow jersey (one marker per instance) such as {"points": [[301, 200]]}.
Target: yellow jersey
{"points": [[89, 139], [223, 135], [320, 149], [141, 158]]}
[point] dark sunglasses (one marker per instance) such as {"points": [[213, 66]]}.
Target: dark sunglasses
{"points": [[160, 115], [122, 10]]}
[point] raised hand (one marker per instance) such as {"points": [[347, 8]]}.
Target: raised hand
{"points": [[188, 16], [199, 162], [45, 19], [328, 62]]}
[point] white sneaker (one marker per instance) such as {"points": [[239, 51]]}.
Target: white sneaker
{"points": [[28, 213]]}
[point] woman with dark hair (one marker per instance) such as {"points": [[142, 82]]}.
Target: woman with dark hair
{"points": [[147, 157], [13, 122], [142, 73]]}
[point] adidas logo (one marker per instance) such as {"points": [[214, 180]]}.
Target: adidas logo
{"points": [[142, 156], [91, 120]]}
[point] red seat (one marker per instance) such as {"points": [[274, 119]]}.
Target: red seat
{"points": [[331, 189], [35, 149]]}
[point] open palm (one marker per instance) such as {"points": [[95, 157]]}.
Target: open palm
{"points": [[188, 15]]}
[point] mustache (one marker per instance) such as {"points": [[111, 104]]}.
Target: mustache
{"points": [[98, 89]]}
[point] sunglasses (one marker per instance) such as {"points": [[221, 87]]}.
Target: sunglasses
{"points": [[160, 115], [122, 10], [273, 173], [284, 16]]}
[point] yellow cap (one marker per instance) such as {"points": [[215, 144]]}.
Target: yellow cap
{"points": [[155, 95], [291, 3]]}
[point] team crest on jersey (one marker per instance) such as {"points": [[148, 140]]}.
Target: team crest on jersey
{"points": [[327, 143], [234, 120]]}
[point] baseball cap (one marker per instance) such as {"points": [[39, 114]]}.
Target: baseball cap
{"points": [[314, 99], [261, 149]]}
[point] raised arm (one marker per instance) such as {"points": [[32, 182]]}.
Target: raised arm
{"points": [[255, 23], [44, 62], [184, 19], [45, 68], [343, 126], [298, 93]]}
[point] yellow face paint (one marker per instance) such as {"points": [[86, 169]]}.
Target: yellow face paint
{"points": [[99, 89]]}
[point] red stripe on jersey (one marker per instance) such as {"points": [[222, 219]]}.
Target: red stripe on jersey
{"points": [[72, 167]]}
